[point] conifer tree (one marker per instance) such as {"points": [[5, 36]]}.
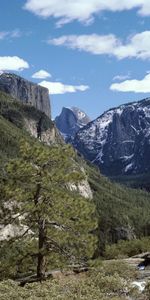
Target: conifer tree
{"points": [[39, 190]]}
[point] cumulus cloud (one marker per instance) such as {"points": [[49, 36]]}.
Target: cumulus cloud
{"points": [[42, 74], [60, 88], [95, 44], [12, 63], [134, 85], [137, 46], [66, 11]]}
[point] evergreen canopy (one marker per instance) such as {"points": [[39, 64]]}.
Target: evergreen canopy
{"points": [[40, 191]]}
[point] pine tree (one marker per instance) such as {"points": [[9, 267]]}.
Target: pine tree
{"points": [[39, 189]]}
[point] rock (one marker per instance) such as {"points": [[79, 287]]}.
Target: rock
{"points": [[26, 91], [142, 255], [118, 141], [139, 284], [70, 121], [83, 188], [48, 136], [10, 231]]}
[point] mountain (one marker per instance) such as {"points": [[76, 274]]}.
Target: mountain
{"points": [[118, 208], [70, 121], [118, 141], [26, 91], [17, 121]]}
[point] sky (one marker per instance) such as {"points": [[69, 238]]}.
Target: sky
{"points": [[91, 54]]}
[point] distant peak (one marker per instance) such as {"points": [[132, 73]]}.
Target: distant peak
{"points": [[71, 120]]}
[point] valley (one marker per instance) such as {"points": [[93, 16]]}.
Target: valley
{"points": [[122, 213]]}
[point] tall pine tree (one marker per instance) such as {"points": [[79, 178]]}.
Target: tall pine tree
{"points": [[38, 189]]}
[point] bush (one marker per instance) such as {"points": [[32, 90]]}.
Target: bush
{"points": [[108, 281], [125, 249]]}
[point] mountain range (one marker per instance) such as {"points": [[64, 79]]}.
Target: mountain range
{"points": [[118, 208], [118, 141]]}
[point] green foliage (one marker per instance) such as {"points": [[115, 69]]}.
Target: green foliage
{"points": [[12, 125], [18, 256], [10, 137], [38, 186], [118, 207], [136, 181], [15, 112], [101, 283], [119, 267], [127, 248]]}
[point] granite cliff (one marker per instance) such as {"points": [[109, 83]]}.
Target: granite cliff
{"points": [[26, 91], [70, 121]]}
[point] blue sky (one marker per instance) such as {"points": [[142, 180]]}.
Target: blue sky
{"points": [[97, 55]]}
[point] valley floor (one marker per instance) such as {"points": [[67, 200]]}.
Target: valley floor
{"points": [[114, 279]]}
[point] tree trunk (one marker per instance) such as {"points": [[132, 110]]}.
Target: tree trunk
{"points": [[41, 266]]}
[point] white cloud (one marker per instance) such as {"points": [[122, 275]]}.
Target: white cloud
{"points": [[66, 11], [137, 46], [93, 43], [121, 77], [60, 88], [134, 85], [12, 63], [42, 74]]}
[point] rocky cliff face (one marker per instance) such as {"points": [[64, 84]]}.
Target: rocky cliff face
{"points": [[70, 121], [119, 140], [50, 135], [26, 91]]}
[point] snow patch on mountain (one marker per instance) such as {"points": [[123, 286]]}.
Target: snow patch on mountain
{"points": [[119, 140]]}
